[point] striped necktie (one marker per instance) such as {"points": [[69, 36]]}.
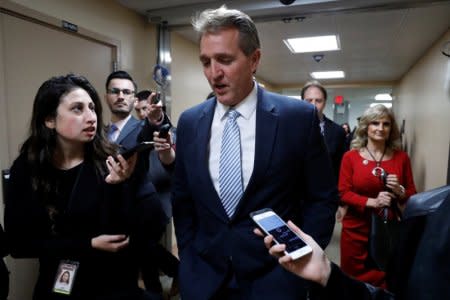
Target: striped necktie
{"points": [[230, 170]]}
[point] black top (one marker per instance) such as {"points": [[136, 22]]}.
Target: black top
{"points": [[62, 225]]}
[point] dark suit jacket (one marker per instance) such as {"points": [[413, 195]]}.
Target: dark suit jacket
{"points": [[419, 268], [292, 175], [128, 136], [335, 141]]}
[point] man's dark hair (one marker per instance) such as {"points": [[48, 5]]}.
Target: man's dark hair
{"points": [[119, 75], [143, 95], [316, 84]]}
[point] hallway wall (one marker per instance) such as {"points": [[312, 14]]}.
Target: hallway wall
{"points": [[136, 36], [422, 98]]}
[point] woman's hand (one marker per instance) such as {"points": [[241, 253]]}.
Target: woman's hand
{"points": [[315, 267], [382, 200], [109, 242], [164, 147], [120, 170], [393, 183]]}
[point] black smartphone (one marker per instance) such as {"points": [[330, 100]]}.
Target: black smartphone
{"points": [[270, 223], [138, 148], [164, 131], [157, 98]]}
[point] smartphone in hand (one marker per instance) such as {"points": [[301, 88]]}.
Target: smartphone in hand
{"points": [[164, 131], [270, 223], [156, 98], [138, 148]]}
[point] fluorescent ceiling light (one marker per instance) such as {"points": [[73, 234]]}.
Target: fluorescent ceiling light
{"points": [[328, 74], [383, 97], [387, 104], [296, 97], [313, 44]]}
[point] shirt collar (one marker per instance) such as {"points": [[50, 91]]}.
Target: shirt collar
{"points": [[120, 124], [245, 108]]}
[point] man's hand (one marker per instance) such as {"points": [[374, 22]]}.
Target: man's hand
{"points": [[155, 114]]}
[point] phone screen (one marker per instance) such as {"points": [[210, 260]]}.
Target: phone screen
{"points": [[281, 232]]}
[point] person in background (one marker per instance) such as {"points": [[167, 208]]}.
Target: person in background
{"points": [[375, 176], [162, 180], [241, 151], [66, 197], [334, 136], [126, 131], [348, 136], [141, 105]]}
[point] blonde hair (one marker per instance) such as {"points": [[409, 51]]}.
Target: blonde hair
{"points": [[372, 114]]}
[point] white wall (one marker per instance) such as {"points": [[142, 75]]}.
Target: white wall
{"points": [[422, 98]]}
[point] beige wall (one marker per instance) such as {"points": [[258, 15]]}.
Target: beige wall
{"points": [[189, 85], [422, 98], [136, 36]]}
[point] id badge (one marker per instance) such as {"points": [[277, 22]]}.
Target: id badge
{"points": [[65, 277]]}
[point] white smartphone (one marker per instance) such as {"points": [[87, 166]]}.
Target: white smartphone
{"points": [[270, 223]]}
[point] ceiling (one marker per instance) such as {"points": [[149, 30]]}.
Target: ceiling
{"points": [[380, 39]]}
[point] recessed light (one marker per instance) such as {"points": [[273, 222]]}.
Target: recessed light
{"points": [[328, 74], [313, 44], [387, 104], [383, 97]]}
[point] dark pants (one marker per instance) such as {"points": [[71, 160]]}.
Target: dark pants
{"points": [[162, 260]]}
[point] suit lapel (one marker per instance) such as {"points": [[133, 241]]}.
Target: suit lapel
{"points": [[266, 130], [211, 198], [129, 127]]}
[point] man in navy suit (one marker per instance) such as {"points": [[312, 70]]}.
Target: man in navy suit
{"points": [[282, 155], [334, 135]]}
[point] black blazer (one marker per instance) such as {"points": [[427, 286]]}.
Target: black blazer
{"points": [[336, 145], [290, 156], [94, 208]]}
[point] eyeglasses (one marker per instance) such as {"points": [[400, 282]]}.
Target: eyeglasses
{"points": [[116, 91]]}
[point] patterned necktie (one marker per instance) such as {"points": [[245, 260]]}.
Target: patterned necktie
{"points": [[230, 170], [111, 130]]}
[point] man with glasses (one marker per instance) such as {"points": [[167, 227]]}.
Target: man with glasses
{"points": [[144, 213], [120, 96]]}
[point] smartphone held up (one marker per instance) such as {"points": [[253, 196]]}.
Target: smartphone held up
{"points": [[270, 223]]}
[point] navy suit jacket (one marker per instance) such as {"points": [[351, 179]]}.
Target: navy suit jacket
{"points": [[292, 175], [335, 141], [128, 136]]}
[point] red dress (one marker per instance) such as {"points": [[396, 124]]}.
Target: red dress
{"points": [[356, 185]]}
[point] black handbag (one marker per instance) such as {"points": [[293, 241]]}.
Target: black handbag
{"points": [[382, 238]]}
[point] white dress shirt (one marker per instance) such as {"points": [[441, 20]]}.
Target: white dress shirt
{"points": [[247, 127]]}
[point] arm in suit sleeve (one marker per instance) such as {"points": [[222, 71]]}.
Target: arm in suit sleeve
{"points": [[341, 286], [182, 202], [322, 197], [341, 148]]}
